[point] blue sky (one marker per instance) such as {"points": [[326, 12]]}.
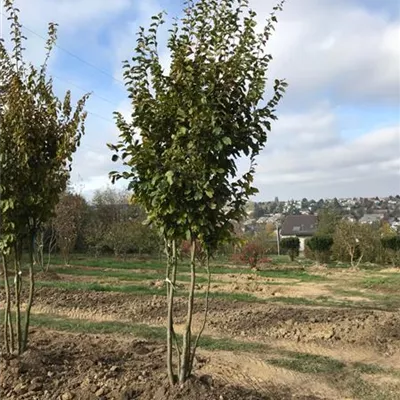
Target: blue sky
{"points": [[339, 127]]}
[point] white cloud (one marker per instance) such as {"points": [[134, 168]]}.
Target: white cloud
{"points": [[70, 14], [373, 155], [339, 48], [333, 54]]}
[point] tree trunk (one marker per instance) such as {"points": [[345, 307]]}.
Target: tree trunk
{"points": [[8, 326], [207, 265], [187, 336], [359, 261], [52, 244], [30, 298], [17, 288], [170, 302]]}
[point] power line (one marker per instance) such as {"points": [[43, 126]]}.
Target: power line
{"points": [[101, 117], [70, 53], [84, 90]]}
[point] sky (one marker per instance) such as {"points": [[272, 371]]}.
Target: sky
{"points": [[338, 133]]}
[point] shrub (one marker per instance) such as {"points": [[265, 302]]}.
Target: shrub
{"points": [[321, 246], [252, 254], [391, 246], [291, 246], [308, 253]]}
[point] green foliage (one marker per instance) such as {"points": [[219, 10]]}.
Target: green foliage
{"points": [[320, 245], [356, 242], [68, 220], [328, 219], [131, 237], [188, 129], [39, 134], [194, 122], [391, 245], [291, 245]]}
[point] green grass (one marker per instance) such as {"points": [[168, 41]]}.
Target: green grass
{"points": [[55, 322], [110, 263], [388, 283], [97, 287], [370, 369], [109, 327], [308, 363], [121, 275], [292, 274], [387, 303]]}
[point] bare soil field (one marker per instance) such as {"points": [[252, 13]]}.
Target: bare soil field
{"points": [[289, 333]]}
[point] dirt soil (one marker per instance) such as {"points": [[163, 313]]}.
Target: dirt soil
{"points": [[64, 366], [67, 366], [303, 324]]}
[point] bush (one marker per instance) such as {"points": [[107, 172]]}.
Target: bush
{"points": [[391, 246], [291, 246], [321, 246], [308, 253], [252, 254]]}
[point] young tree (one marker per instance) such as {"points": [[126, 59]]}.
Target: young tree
{"points": [[189, 127], [291, 245], [353, 240], [39, 134], [68, 219]]}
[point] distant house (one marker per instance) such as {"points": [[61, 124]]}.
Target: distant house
{"points": [[301, 226], [371, 218], [394, 223], [349, 218]]}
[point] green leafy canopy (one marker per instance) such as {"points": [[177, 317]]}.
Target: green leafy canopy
{"points": [[190, 126], [39, 134]]}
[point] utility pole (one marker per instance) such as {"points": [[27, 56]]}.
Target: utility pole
{"points": [[278, 238]]}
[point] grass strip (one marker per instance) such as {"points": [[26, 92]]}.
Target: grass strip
{"points": [[121, 275]]}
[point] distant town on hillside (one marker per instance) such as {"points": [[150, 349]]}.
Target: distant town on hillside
{"points": [[362, 209]]}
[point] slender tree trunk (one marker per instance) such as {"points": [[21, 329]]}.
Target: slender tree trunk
{"points": [[187, 336], [351, 258], [170, 301], [52, 244], [359, 260], [31, 292], [17, 288], [173, 276], [196, 342], [8, 327]]}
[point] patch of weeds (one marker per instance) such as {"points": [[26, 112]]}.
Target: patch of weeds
{"points": [[388, 283], [104, 262], [368, 368], [345, 292], [292, 274], [363, 390], [308, 363], [121, 275], [97, 287]]}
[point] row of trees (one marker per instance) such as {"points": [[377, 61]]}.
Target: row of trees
{"points": [[179, 153], [109, 224]]}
